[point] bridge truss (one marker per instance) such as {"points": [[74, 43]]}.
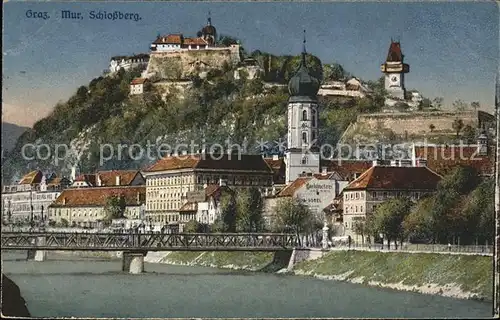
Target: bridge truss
{"points": [[147, 241]]}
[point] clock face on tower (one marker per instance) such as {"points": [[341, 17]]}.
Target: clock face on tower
{"points": [[394, 79]]}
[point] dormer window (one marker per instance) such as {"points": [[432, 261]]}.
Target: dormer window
{"points": [[304, 160]]}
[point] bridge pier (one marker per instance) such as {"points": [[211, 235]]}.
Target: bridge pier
{"points": [[133, 262], [37, 255]]}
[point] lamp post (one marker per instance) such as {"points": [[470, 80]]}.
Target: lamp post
{"points": [[325, 235], [381, 235]]}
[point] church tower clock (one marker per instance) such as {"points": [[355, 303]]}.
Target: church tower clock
{"points": [[302, 153], [394, 69]]}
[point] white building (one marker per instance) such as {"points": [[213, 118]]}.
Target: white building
{"points": [[128, 62], [31, 197], [137, 86], [302, 124], [352, 88], [85, 207]]}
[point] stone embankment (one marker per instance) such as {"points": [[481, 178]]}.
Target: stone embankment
{"points": [[13, 304]]}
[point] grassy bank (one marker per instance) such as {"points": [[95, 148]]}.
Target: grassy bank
{"points": [[233, 260], [461, 276]]}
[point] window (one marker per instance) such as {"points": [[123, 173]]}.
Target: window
{"points": [[374, 194], [385, 195], [304, 160], [304, 137], [357, 195], [304, 115], [313, 118], [314, 135]]}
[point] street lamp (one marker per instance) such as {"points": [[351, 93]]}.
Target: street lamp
{"points": [[381, 235]]}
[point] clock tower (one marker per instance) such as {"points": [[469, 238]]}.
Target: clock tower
{"points": [[395, 69], [302, 153]]}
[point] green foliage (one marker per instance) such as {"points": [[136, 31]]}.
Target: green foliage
{"points": [[292, 214], [64, 223], [388, 218], [458, 125], [193, 226], [227, 223], [333, 72], [469, 134], [115, 207], [249, 208], [460, 105]]}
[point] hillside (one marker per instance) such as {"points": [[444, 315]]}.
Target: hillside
{"points": [[213, 110], [10, 133]]}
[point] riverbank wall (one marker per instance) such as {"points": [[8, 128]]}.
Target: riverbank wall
{"points": [[451, 275], [13, 304]]}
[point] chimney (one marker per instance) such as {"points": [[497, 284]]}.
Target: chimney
{"points": [[138, 198], [184, 152], [73, 173], [395, 163], [275, 157], [375, 163], [64, 201], [324, 171], [222, 182], [117, 180], [205, 186], [98, 180]]}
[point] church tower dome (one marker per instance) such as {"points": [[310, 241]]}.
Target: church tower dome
{"points": [[303, 86]]}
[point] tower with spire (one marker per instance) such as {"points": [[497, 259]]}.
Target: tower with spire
{"points": [[302, 153], [395, 69], [209, 33]]}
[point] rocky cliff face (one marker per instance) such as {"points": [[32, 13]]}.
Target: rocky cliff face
{"points": [[181, 65], [13, 304]]}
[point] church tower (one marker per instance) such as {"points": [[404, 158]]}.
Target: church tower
{"points": [[302, 153], [209, 33], [395, 69]]}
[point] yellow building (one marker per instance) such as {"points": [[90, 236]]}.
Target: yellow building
{"points": [[174, 180]]}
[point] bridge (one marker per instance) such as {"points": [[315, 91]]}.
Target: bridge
{"points": [[147, 241], [136, 245]]}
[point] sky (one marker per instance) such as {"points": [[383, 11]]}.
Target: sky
{"points": [[452, 47]]}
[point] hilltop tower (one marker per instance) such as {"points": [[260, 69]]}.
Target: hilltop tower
{"points": [[394, 69], [209, 33], [302, 153]]}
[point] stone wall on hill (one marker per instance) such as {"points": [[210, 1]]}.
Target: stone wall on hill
{"points": [[183, 64]]}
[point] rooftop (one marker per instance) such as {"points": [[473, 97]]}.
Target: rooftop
{"points": [[396, 178], [98, 196]]}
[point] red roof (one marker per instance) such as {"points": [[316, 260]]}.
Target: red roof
{"points": [[244, 162], [290, 189], [443, 159], [33, 177], [395, 54], [347, 169], [90, 179], [396, 178], [279, 169], [108, 178], [138, 81], [169, 39], [195, 41], [98, 196]]}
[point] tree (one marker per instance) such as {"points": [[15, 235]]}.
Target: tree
{"points": [[475, 105], [460, 105], [193, 226], [333, 72], [389, 216], [432, 127], [292, 214], [361, 229], [437, 102], [249, 208], [469, 134], [417, 226], [227, 40], [227, 222], [458, 125], [64, 223], [115, 207]]}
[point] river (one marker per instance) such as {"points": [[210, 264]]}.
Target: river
{"points": [[60, 287]]}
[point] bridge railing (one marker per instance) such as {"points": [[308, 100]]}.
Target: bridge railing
{"points": [[155, 241]]}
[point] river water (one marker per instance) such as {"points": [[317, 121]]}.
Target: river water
{"points": [[98, 288]]}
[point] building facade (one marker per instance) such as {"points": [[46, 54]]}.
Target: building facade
{"points": [[137, 86], [85, 207], [109, 178], [173, 179], [30, 199], [128, 62], [381, 183]]}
